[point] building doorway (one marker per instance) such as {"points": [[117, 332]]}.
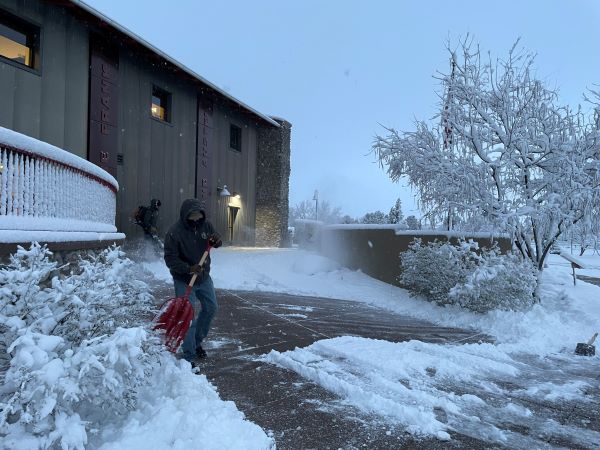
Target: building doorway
{"points": [[233, 210]]}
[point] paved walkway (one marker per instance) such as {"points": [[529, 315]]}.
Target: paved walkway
{"points": [[302, 415]]}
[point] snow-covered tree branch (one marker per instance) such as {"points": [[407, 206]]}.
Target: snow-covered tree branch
{"points": [[502, 149]]}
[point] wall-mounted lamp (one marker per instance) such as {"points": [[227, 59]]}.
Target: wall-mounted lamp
{"points": [[237, 195], [223, 192]]}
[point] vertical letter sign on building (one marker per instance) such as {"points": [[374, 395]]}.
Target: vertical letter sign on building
{"points": [[205, 128], [104, 101]]}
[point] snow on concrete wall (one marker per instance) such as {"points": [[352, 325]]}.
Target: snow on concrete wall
{"points": [[376, 249]]}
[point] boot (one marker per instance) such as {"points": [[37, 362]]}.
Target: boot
{"points": [[200, 352]]}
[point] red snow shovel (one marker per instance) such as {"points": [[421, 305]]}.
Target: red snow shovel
{"points": [[178, 315]]}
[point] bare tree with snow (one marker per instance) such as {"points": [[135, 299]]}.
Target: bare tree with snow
{"points": [[503, 149], [587, 231], [306, 210]]}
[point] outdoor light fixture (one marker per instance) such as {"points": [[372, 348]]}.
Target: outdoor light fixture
{"points": [[237, 195], [223, 192]]}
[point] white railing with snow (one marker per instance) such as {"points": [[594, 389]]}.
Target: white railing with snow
{"points": [[45, 188]]}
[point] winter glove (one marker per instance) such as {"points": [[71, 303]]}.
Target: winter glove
{"points": [[197, 269], [215, 240]]}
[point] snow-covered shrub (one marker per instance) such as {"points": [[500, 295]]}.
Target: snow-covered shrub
{"points": [[76, 346], [432, 270], [463, 274], [498, 282]]}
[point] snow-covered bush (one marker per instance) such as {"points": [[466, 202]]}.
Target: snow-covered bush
{"points": [[499, 282], [463, 274], [76, 346], [432, 270]]}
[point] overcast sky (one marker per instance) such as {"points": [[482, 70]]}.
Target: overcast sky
{"points": [[338, 69]]}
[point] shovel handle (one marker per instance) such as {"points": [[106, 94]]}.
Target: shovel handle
{"points": [[201, 263]]}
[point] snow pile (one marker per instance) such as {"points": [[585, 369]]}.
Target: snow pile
{"points": [[76, 357], [431, 389], [179, 410]]}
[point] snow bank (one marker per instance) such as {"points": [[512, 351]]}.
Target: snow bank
{"points": [[180, 410], [431, 390]]}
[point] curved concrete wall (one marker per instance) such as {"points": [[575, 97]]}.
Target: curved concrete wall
{"points": [[376, 250]]}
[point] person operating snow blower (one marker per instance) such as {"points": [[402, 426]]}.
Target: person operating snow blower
{"points": [[147, 218], [185, 244]]}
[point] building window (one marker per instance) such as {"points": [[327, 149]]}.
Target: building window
{"points": [[161, 104], [235, 137], [19, 41]]}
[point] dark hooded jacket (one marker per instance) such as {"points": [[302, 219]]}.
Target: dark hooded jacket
{"points": [[185, 242]]}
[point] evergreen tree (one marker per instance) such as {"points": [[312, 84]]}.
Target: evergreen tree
{"points": [[348, 220], [395, 215], [413, 223], [376, 217]]}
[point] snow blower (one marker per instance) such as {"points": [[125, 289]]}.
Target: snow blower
{"points": [[588, 349], [178, 315], [158, 241]]}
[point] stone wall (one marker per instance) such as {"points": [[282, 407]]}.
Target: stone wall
{"points": [[272, 185]]}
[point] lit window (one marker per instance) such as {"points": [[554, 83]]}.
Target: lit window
{"points": [[18, 41], [160, 104], [235, 137]]}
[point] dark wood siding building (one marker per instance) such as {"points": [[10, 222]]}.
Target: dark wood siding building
{"points": [[74, 78]]}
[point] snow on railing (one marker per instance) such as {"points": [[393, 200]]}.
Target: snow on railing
{"points": [[43, 187]]}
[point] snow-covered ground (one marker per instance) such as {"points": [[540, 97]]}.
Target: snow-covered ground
{"points": [[182, 410], [417, 385], [566, 315]]}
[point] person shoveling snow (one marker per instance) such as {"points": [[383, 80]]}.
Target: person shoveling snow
{"points": [[185, 244]]}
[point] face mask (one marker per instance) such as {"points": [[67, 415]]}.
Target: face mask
{"points": [[197, 222]]}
